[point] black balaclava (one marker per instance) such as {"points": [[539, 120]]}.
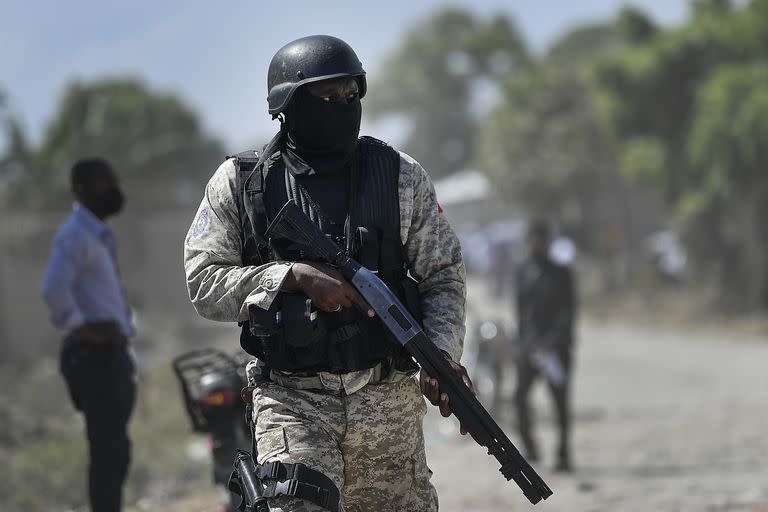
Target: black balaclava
{"points": [[322, 133]]}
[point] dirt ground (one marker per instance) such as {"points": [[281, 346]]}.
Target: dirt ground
{"points": [[664, 421]]}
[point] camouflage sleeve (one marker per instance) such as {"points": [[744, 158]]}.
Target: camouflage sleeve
{"points": [[434, 257], [219, 286]]}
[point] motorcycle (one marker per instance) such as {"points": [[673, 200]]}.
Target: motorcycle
{"points": [[211, 381]]}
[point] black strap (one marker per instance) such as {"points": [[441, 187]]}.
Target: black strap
{"points": [[250, 185], [292, 479], [299, 481], [245, 164]]}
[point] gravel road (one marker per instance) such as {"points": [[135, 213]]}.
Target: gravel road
{"points": [[664, 421]]}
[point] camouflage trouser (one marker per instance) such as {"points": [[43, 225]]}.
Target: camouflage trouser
{"points": [[370, 443]]}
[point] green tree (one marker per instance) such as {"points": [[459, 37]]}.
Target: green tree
{"points": [[728, 186], [14, 147], [684, 106], [548, 147], [153, 139], [545, 140], [439, 78]]}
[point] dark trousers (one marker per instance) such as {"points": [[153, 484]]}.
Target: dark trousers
{"points": [[101, 383], [527, 373]]}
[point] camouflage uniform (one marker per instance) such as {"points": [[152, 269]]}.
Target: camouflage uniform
{"points": [[362, 429]]}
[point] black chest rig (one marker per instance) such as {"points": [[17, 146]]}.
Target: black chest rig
{"points": [[292, 335]]}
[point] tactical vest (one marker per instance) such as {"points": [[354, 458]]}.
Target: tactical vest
{"points": [[291, 335]]}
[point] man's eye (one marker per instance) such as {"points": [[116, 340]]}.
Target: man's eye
{"points": [[335, 98]]}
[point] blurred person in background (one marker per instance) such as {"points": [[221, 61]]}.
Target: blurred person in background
{"points": [[546, 309], [84, 293], [330, 391]]}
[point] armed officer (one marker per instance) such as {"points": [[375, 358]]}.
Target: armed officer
{"points": [[337, 415], [546, 308]]}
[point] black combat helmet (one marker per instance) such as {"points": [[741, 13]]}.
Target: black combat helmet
{"points": [[306, 60]]}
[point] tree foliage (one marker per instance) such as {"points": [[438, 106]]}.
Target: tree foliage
{"points": [[14, 147], [438, 79], [689, 105], [726, 145], [544, 139], [154, 141], [547, 146]]}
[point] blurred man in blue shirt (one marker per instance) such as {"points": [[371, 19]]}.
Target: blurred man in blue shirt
{"points": [[87, 302]]}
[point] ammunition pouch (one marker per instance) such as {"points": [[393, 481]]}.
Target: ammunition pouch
{"points": [[293, 336], [290, 320]]}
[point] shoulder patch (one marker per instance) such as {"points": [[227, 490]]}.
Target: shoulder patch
{"points": [[201, 223]]}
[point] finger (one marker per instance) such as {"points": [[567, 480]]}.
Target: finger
{"points": [[426, 386], [445, 408], [462, 371], [344, 301], [423, 381], [435, 391], [430, 391], [468, 382], [328, 307], [464, 431], [359, 301]]}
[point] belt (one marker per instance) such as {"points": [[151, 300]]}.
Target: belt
{"points": [[74, 340], [379, 374]]}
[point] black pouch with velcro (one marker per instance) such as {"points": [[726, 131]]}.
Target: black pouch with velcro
{"points": [[292, 335], [264, 331], [303, 325]]}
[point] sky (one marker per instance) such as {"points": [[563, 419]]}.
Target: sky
{"points": [[215, 54]]}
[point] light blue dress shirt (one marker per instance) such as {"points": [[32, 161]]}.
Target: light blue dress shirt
{"points": [[82, 283]]}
